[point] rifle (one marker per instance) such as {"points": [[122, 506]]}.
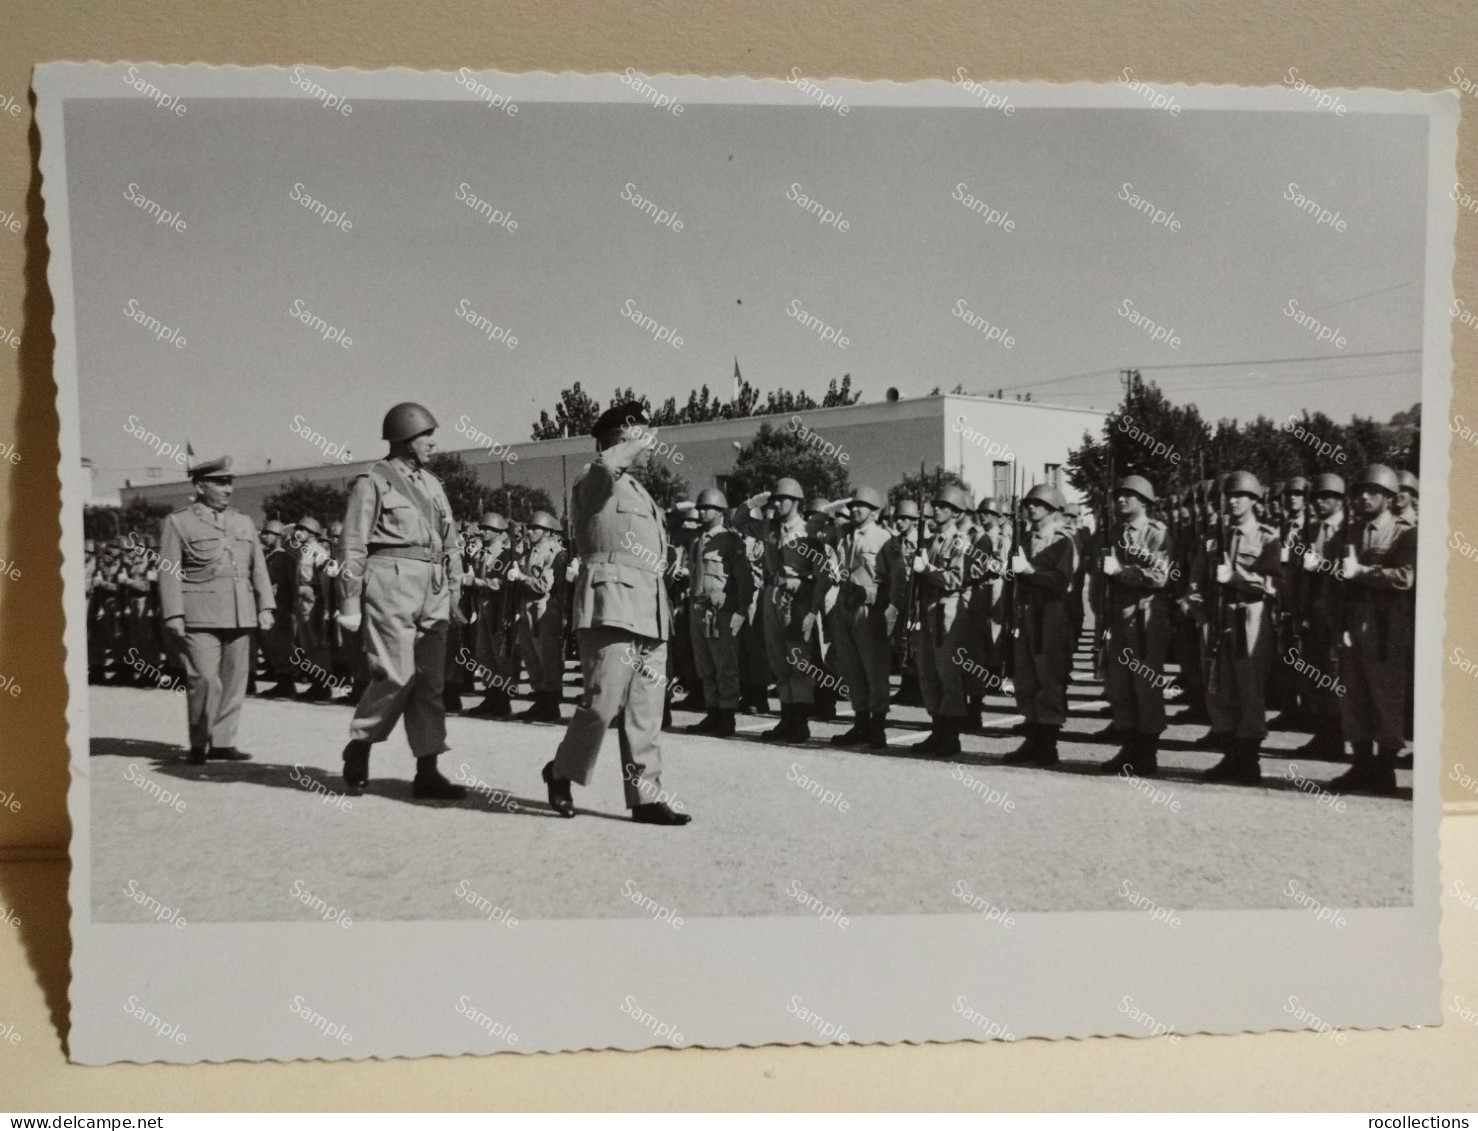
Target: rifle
{"points": [[510, 606], [1008, 592], [911, 599], [1106, 587]]}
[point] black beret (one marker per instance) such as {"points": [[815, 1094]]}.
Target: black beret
{"points": [[619, 416]]}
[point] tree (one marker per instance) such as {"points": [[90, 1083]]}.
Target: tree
{"points": [[775, 453], [664, 484], [518, 501], [467, 494], [838, 396], [925, 486], [574, 415], [299, 498]]}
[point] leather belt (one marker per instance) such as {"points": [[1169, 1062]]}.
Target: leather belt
{"points": [[622, 557], [415, 553]]}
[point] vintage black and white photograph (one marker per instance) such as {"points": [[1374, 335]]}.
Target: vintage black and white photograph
{"points": [[666, 532]]}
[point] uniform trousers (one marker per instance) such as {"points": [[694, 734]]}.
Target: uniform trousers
{"points": [[1041, 644], [786, 647], [1236, 692], [622, 673], [1134, 668], [404, 630], [539, 640], [862, 654], [1375, 670], [217, 662], [942, 644], [716, 653]]}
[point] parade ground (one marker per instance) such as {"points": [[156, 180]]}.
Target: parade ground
{"points": [[777, 830]]}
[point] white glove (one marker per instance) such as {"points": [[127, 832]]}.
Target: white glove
{"points": [[920, 563], [350, 622], [1311, 561], [1111, 565], [1223, 573]]}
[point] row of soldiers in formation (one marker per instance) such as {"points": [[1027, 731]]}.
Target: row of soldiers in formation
{"points": [[1302, 597]]}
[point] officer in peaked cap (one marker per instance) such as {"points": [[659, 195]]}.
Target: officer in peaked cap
{"points": [[623, 618], [869, 599], [1043, 568], [211, 602], [1377, 566], [398, 582], [1136, 570], [1241, 644]]}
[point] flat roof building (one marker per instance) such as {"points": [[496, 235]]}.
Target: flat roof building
{"points": [[980, 438]]}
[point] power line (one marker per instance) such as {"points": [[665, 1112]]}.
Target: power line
{"points": [[1280, 360]]}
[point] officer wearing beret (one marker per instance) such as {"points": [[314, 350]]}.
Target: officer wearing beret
{"points": [[623, 618], [397, 580], [211, 602]]}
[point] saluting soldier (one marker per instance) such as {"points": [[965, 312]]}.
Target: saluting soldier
{"points": [[1316, 589], [1136, 569], [869, 596], [1042, 568], [398, 582], [623, 620], [940, 574], [538, 586], [792, 557], [719, 596], [211, 602], [1378, 570], [487, 579], [1241, 644]]}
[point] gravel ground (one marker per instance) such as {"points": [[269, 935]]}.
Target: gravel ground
{"points": [[865, 833]]}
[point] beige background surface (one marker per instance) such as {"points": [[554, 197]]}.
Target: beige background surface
{"points": [[1370, 43]]}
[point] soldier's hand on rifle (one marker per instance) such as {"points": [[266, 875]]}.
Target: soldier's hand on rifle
{"points": [[175, 626], [1111, 564], [1350, 568], [514, 573], [1224, 572], [459, 618], [264, 620], [890, 618], [1311, 561], [1020, 564], [572, 570], [920, 563], [350, 617], [736, 623]]}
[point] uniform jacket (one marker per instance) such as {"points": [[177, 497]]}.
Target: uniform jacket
{"points": [[1388, 546], [1145, 553], [871, 574], [543, 575], [282, 572], [1053, 557], [621, 534], [379, 514], [222, 577], [719, 577]]}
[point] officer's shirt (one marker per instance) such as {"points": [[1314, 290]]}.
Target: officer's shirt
{"points": [[868, 572], [1053, 557], [718, 569], [1143, 549], [379, 514]]}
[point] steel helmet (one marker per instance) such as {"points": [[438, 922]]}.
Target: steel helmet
{"points": [[1138, 485], [1328, 485], [272, 526], [712, 497], [311, 524], [1379, 475], [1242, 483], [544, 521], [1298, 485], [868, 497], [817, 505], [953, 497], [1408, 482], [493, 520], [1045, 494], [407, 420], [788, 489], [906, 508], [929, 512], [993, 506]]}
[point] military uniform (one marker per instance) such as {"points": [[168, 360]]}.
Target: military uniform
{"points": [[218, 590], [872, 581], [1376, 659], [1316, 592], [719, 586], [487, 579], [396, 558], [539, 593], [990, 561], [623, 618], [792, 558], [1042, 626], [310, 619], [1138, 616], [943, 625], [276, 642]]}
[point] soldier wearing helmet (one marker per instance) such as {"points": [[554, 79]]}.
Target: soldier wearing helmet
{"points": [[277, 641], [1239, 579], [486, 576], [1136, 565], [1377, 568], [1314, 598], [941, 570], [310, 653], [985, 599], [1043, 569], [215, 593], [538, 580], [682, 664], [869, 594], [719, 596], [1292, 519], [398, 585], [1407, 493]]}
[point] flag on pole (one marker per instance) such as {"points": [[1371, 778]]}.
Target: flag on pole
{"points": [[737, 380]]}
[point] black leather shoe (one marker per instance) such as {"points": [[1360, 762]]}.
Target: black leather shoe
{"points": [[657, 813], [1225, 770], [227, 754], [706, 725], [283, 690], [432, 785], [356, 766], [854, 737], [196, 757], [559, 792], [725, 728], [1026, 753]]}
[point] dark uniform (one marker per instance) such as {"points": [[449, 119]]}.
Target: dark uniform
{"points": [[719, 590], [871, 583]]}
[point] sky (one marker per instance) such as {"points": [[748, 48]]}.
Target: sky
{"points": [[251, 378]]}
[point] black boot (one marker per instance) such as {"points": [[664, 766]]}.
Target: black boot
{"points": [[877, 736], [549, 711], [283, 689], [1361, 775], [1327, 745], [1214, 740], [1249, 768], [856, 736], [1383, 771], [780, 732], [707, 725], [1230, 768], [1027, 752], [494, 705], [936, 736], [973, 722], [196, 757], [227, 754], [535, 704], [431, 784], [666, 717], [949, 744], [356, 767], [800, 729], [725, 728], [559, 792], [1046, 746], [451, 699]]}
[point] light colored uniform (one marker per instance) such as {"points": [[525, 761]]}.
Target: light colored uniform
{"points": [[718, 587], [219, 587], [1138, 612], [1042, 645], [1376, 666], [870, 582], [540, 593], [1241, 646], [944, 631], [396, 555], [792, 559], [622, 619]]}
